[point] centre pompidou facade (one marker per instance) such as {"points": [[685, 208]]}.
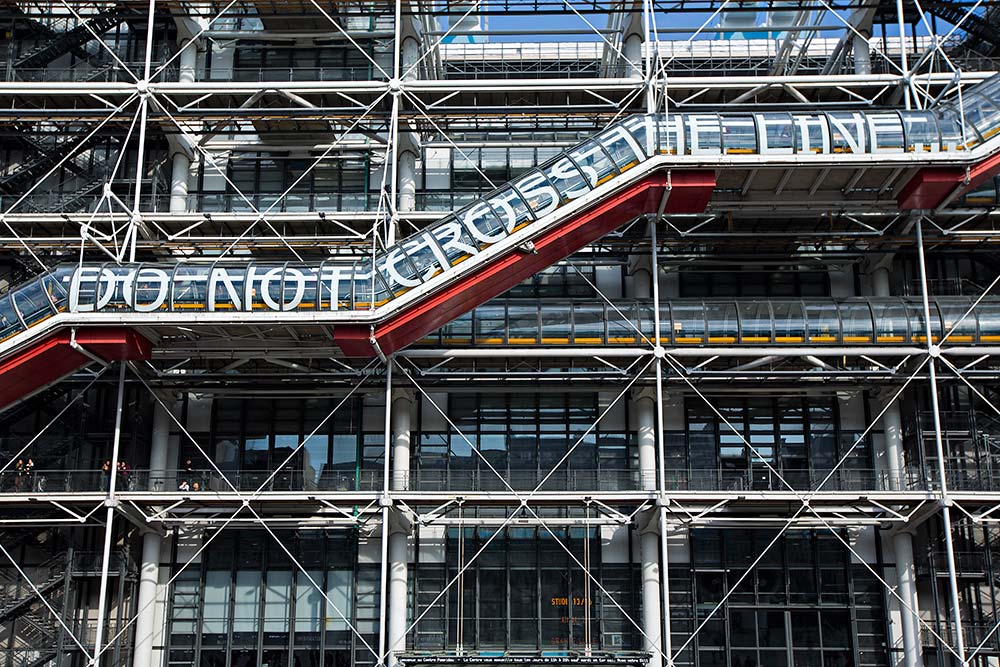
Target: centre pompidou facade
{"points": [[361, 334]]}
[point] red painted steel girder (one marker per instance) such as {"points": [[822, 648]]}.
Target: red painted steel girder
{"points": [[26, 371], [690, 192]]}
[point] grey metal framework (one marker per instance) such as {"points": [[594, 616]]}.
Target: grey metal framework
{"points": [[765, 434]]}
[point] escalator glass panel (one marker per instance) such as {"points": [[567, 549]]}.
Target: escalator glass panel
{"points": [[988, 316], [32, 303], [890, 322], [755, 322], [689, 323], [822, 322], [723, 323], [856, 319], [10, 325], [959, 321], [789, 322]]}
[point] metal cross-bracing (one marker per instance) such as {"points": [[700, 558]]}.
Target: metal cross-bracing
{"points": [[533, 332]]}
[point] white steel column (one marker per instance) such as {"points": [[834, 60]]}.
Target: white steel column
{"points": [[179, 174], [111, 503], [862, 55], [407, 177], [402, 402], [145, 628], [958, 636], [181, 162], [652, 619], [644, 406], [632, 32], [902, 541]]}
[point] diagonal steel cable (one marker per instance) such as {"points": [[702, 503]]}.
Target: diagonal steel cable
{"points": [[417, 104], [429, 50], [806, 497], [858, 33], [124, 628], [191, 41], [888, 587], [613, 305], [38, 594], [350, 39], [246, 500], [25, 195], [222, 172], [524, 499], [262, 214], [600, 34], [52, 421], [100, 40]]}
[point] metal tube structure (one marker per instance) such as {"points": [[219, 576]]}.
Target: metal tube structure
{"points": [[145, 624], [902, 541], [398, 536], [545, 343], [111, 502], [934, 351]]}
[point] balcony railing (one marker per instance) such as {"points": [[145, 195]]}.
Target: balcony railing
{"points": [[575, 480]]}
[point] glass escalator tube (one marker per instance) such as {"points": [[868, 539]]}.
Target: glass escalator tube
{"points": [[10, 323]]}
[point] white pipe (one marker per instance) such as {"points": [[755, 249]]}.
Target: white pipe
{"points": [[902, 542]]}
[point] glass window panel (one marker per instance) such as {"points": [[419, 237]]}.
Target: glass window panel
{"points": [[482, 223], [338, 600], [812, 133], [57, 286], [216, 604], [33, 303], [778, 131], [704, 134], [556, 324], [771, 628], [886, 130], [983, 115], [987, 314], [588, 323], [805, 629], [917, 322], [921, 131], [308, 604], [277, 597], [742, 628], [847, 132], [246, 605], [621, 146], [959, 321], [523, 324], [568, 180], [511, 208], [9, 322]]}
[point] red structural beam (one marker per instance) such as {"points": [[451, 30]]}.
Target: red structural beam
{"points": [[690, 192], [931, 187], [28, 370]]}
